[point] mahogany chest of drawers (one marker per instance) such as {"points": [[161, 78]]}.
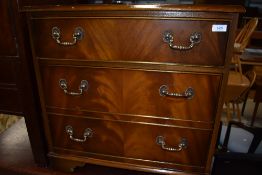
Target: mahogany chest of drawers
{"points": [[136, 87]]}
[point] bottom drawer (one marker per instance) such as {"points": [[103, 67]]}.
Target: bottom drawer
{"points": [[130, 140]]}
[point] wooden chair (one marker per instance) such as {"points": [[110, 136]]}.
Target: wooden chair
{"points": [[241, 151], [242, 41], [236, 91], [257, 86], [237, 82]]}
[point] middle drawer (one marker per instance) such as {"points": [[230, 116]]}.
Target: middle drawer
{"points": [[138, 92]]}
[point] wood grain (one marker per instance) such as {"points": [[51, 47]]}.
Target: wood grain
{"points": [[131, 39], [132, 92], [130, 141], [125, 61]]}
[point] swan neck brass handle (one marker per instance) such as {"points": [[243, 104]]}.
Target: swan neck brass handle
{"points": [[77, 36], [160, 140], [188, 94], [88, 133], [194, 39], [82, 87]]}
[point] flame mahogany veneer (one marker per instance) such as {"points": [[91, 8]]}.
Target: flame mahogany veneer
{"points": [[125, 61]]}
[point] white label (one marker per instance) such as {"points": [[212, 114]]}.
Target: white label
{"points": [[219, 28]]}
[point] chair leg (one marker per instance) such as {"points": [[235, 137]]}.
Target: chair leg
{"points": [[238, 112], [244, 104], [234, 109], [254, 114], [239, 66], [228, 112]]}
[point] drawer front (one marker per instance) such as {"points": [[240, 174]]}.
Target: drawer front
{"points": [[131, 92], [130, 40], [130, 140]]}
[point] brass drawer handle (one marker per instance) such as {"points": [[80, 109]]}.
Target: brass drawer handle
{"points": [[88, 133], [189, 92], [160, 140], [77, 36], [83, 87], [194, 39]]}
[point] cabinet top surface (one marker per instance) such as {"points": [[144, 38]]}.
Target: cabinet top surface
{"points": [[138, 7]]}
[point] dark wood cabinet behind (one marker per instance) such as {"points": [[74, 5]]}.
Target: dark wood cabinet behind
{"points": [[18, 94]]}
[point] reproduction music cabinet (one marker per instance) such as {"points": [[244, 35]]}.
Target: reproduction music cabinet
{"points": [[132, 86]]}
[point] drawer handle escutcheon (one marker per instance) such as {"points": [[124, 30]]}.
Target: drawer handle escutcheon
{"points": [[77, 36], [160, 140], [83, 87], [189, 92], [194, 39], [87, 134]]}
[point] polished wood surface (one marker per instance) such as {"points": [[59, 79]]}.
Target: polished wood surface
{"points": [[132, 92], [137, 40], [125, 69], [237, 79], [130, 141], [133, 7]]}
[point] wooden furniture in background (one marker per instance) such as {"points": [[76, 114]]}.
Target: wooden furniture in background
{"points": [[238, 84], [236, 91], [253, 59], [242, 41], [256, 87], [18, 93], [131, 86]]}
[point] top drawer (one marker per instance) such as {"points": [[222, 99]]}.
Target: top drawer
{"points": [[131, 39]]}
